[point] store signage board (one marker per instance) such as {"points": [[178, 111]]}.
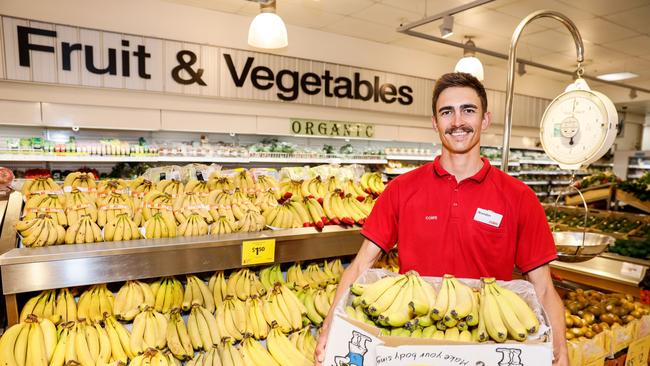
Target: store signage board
{"points": [[257, 252], [632, 270], [44, 52], [315, 127], [637, 352]]}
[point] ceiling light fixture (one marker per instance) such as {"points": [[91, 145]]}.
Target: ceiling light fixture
{"points": [[616, 76], [633, 93], [267, 30], [447, 26], [470, 63], [521, 69]]}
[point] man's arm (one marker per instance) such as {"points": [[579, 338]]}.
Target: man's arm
{"points": [[367, 256], [541, 279]]}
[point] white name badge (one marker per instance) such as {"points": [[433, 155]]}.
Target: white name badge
{"points": [[488, 217]]}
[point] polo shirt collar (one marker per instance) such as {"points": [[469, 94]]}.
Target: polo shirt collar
{"points": [[478, 177]]}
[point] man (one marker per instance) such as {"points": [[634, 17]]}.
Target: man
{"points": [[459, 215]]}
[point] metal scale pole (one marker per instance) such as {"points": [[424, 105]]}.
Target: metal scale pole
{"points": [[512, 60]]}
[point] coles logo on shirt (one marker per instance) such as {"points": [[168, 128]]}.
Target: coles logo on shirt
{"points": [[431, 217]]}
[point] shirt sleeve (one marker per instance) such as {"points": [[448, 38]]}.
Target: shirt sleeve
{"points": [[535, 244], [381, 226]]}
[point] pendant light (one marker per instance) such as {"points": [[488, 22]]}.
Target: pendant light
{"points": [[470, 63], [267, 30]]}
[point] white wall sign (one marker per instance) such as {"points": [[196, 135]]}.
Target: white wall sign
{"points": [[52, 53]]}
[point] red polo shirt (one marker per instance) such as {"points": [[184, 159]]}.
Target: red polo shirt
{"points": [[480, 227]]}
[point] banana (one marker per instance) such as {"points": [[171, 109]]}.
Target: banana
{"points": [[178, 339], [376, 289], [283, 351], [520, 308], [9, 350], [442, 301], [493, 322], [387, 298], [398, 313], [217, 285], [256, 353]]}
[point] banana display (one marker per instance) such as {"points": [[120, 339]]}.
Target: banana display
{"points": [[407, 306], [221, 205], [226, 319], [388, 261]]}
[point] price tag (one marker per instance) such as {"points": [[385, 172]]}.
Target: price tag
{"points": [[637, 352], [596, 362], [257, 252], [632, 270]]}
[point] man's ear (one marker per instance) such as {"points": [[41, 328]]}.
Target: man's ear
{"points": [[435, 123], [487, 121]]}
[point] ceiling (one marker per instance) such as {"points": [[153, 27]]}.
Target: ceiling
{"points": [[616, 33]]}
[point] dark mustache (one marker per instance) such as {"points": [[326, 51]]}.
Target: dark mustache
{"points": [[451, 130]]}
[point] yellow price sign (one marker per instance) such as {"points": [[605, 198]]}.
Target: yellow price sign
{"points": [[637, 352], [257, 252]]}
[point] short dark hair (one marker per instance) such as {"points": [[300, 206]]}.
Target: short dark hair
{"points": [[458, 79]]}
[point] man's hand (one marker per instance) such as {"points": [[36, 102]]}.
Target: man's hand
{"points": [[320, 346], [561, 358]]}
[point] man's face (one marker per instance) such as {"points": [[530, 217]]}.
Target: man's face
{"points": [[460, 119]]}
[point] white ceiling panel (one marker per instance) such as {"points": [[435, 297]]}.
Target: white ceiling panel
{"points": [[551, 40], [522, 8], [602, 30], [364, 29], [636, 46], [386, 15], [418, 6], [427, 46], [307, 17], [636, 19], [344, 7], [226, 6], [605, 7], [494, 22]]}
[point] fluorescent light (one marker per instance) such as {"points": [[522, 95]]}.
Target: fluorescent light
{"points": [[616, 76], [267, 30], [447, 26]]}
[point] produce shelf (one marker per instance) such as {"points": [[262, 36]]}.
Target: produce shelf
{"points": [[35, 269]]}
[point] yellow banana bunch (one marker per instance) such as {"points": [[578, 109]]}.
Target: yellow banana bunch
{"points": [[299, 212], [283, 351], [228, 354], [251, 221], [50, 204], [112, 205], [295, 277], [505, 313], [284, 308], [254, 354], [355, 189], [388, 261], [291, 189], [156, 202], [121, 228], [317, 215], [355, 209], [66, 308], [217, 183], [29, 343], [42, 306], [223, 225], [131, 299], [82, 181], [120, 339], [304, 342], [77, 204], [95, 303], [203, 329], [197, 293], [334, 205], [271, 275], [267, 183], [372, 183], [84, 231], [40, 185], [188, 203], [168, 294], [239, 208], [217, 285], [282, 217], [267, 200], [40, 231], [200, 187], [307, 296], [231, 318], [160, 225], [178, 338], [92, 345], [316, 276], [141, 186], [156, 357], [243, 284], [332, 184], [172, 187], [333, 270], [106, 186], [313, 188], [149, 331], [256, 322], [244, 181], [193, 225]]}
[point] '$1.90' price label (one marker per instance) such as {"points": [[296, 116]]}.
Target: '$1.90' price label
{"points": [[257, 252]]}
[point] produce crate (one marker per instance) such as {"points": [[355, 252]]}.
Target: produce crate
{"points": [[589, 351], [597, 193], [622, 336], [350, 339], [631, 200]]}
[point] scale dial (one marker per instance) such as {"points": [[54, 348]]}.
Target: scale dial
{"points": [[578, 127]]}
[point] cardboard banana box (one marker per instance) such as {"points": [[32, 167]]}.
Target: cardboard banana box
{"points": [[355, 343]]}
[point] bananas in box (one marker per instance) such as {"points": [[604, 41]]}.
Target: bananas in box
{"points": [[406, 305]]}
